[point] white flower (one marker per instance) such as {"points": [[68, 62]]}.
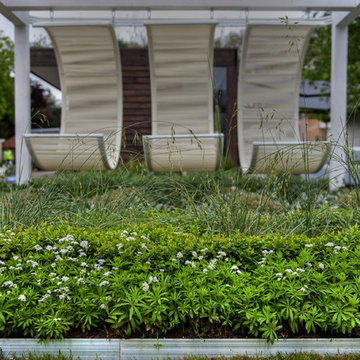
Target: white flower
{"points": [[72, 259], [173, 259], [64, 279], [84, 244], [103, 306], [344, 248], [329, 244], [179, 255], [205, 270], [303, 289], [322, 266], [63, 251], [308, 245], [161, 270], [49, 247], [15, 257], [212, 264], [204, 250], [37, 247], [107, 273], [145, 238], [130, 238], [153, 279], [194, 254], [143, 246], [58, 258], [289, 271], [147, 262], [103, 283], [279, 274], [200, 257], [98, 267], [33, 263], [145, 286], [221, 254], [115, 268], [22, 297], [119, 246], [84, 264], [234, 267], [81, 253], [80, 281], [309, 264], [8, 283], [101, 261], [299, 269]]}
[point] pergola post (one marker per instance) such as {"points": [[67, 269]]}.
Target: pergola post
{"points": [[338, 116], [22, 102]]}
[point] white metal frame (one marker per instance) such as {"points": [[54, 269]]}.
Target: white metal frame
{"points": [[344, 12]]}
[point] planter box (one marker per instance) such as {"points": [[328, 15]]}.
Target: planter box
{"points": [[112, 349]]}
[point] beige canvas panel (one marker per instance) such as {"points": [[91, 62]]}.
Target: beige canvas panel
{"points": [[91, 83], [76, 152], [296, 158], [268, 92], [181, 61], [183, 153]]}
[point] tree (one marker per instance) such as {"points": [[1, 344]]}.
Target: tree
{"points": [[6, 87], [318, 61], [44, 111]]}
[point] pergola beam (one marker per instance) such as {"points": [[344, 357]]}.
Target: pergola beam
{"points": [[8, 14], [350, 17], [338, 115], [296, 5]]}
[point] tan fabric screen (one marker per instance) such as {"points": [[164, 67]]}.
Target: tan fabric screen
{"points": [[268, 92], [91, 83], [181, 63], [181, 67]]}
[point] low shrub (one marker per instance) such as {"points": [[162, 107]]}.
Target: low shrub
{"points": [[151, 280]]}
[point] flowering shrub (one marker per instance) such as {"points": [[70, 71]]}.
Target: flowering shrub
{"points": [[151, 280]]}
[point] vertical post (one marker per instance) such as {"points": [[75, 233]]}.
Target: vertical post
{"points": [[339, 51], [22, 102]]}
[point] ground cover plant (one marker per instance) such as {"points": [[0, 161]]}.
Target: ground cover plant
{"points": [[152, 280]]}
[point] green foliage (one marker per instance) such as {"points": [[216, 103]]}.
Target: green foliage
{"points": [[152, 280], [318, 60], [6, 86]]}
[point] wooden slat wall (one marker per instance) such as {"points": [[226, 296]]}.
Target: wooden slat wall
{"points": [[228, 59], [137, 101], [137, 96]]}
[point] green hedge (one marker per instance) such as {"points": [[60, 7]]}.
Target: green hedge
{"points": [[151, 280]]}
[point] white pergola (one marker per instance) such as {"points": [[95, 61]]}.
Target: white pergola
{"points": [[23, 14]]}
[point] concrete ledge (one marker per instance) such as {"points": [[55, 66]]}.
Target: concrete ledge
{"points": [[115, 349]]}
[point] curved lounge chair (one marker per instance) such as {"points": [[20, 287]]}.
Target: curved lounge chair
{"points": [[268, 110], [90, 75], [181, 62]]}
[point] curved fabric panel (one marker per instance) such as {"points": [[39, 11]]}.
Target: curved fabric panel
{"points": [[181, 66], [69, 152], [268, 93], [91, 83], [292, 157], [181, 153]]}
